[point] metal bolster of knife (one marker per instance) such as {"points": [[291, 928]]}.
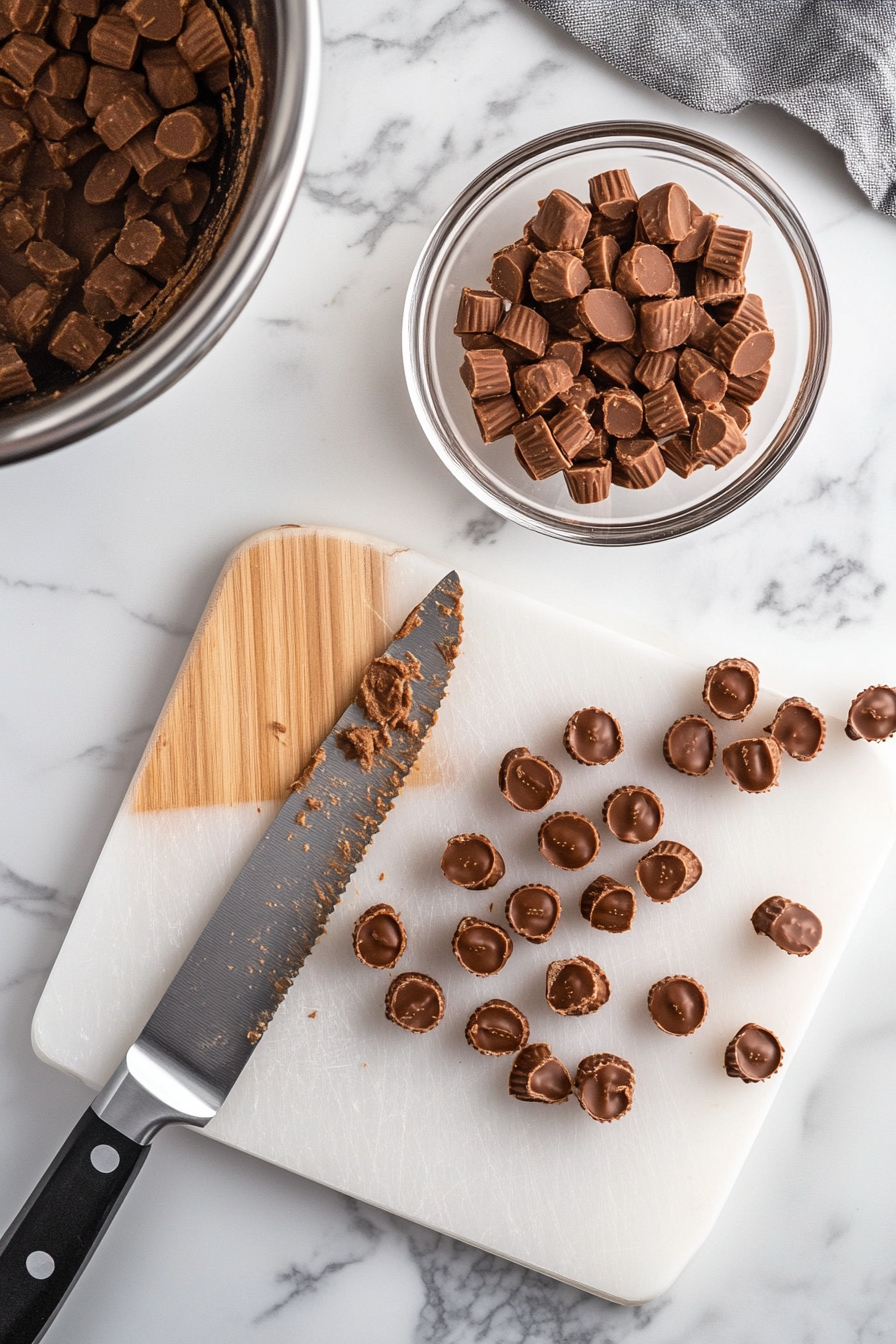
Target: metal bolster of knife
{"points": [[148, 1091]]}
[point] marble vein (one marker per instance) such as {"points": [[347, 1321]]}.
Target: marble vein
{"points": [[105, 594]]}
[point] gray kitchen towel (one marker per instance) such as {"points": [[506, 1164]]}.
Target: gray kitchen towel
{"points": [[832, 63]]}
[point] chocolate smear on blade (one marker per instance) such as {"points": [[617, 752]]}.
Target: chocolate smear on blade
{"points": [[386, 695], [361, 744]]}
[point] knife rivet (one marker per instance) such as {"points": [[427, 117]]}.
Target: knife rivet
{"points": [[40, 1264], [104, 1158]]}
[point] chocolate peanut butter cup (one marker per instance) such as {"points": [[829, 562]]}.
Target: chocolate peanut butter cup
{"points": [[731, 688], [690, 745], [678, 1005], [872, 715], [798, 728], [576, 986], [480, 947], [528, 782], [533, 912], [605, 1087], [472, 861], [568, 840], [537, 1075], [379, 938], [792, 927], [415, 1001], [593, 737], [497, 1028], [754, 1054], [633, 813], [668, 870], [753, 763], [608, 905]]}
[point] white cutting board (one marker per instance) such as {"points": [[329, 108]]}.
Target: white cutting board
{"points": [[423, 1126]]}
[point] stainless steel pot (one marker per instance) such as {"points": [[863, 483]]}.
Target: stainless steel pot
{"points": [[288, 33]]}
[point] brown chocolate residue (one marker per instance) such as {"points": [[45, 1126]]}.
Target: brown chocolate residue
{"points": [[386, 695], [362, 744], [412, 621]]}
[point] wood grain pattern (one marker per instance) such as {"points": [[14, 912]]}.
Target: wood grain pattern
{"points": [[294, 619]]}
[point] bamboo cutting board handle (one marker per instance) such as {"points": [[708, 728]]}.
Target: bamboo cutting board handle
{"points": [[295, 617]]}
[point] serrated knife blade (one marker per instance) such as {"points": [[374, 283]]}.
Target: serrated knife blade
{"points": [[217, 1007]]}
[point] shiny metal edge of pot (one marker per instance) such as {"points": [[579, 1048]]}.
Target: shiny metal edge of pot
{"points": [[228, 282]]}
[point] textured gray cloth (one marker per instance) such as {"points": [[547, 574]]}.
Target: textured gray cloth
{"points": [[832, 63]]}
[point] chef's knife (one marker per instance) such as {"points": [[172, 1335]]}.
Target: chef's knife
{"points": [[216, 1009]]}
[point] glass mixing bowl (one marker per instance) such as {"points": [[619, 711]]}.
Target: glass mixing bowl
{"points": [[783, 268]]}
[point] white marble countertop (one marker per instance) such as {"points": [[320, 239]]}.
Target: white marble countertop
{"points": [[107, 553]]}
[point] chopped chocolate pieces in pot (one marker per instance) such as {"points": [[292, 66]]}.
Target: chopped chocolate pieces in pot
{"points": [[593, 737], [576, 987], [754, 1054], [728, 250], [528, 782], [622, 412], [15, 380], [668, 870], [415, 1001], [533, 912], [633, 813], [497, 1028], [690, 745], [644, 272], [78, 342], [606, 314], [538, 384], [472, 861], [537, 1075], [792, 927], [608, 905], [568, 840], [678, 1005], [753, 763], [731, 687], [872, 715], [379, 938], [798, 728], [605, 1087], [481, 948]]}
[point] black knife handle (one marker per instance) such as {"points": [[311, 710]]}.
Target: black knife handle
{"points": [[56, 1232]]}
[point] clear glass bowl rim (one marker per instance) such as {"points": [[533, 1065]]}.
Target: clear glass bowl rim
{"points": [[427, 272]]}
